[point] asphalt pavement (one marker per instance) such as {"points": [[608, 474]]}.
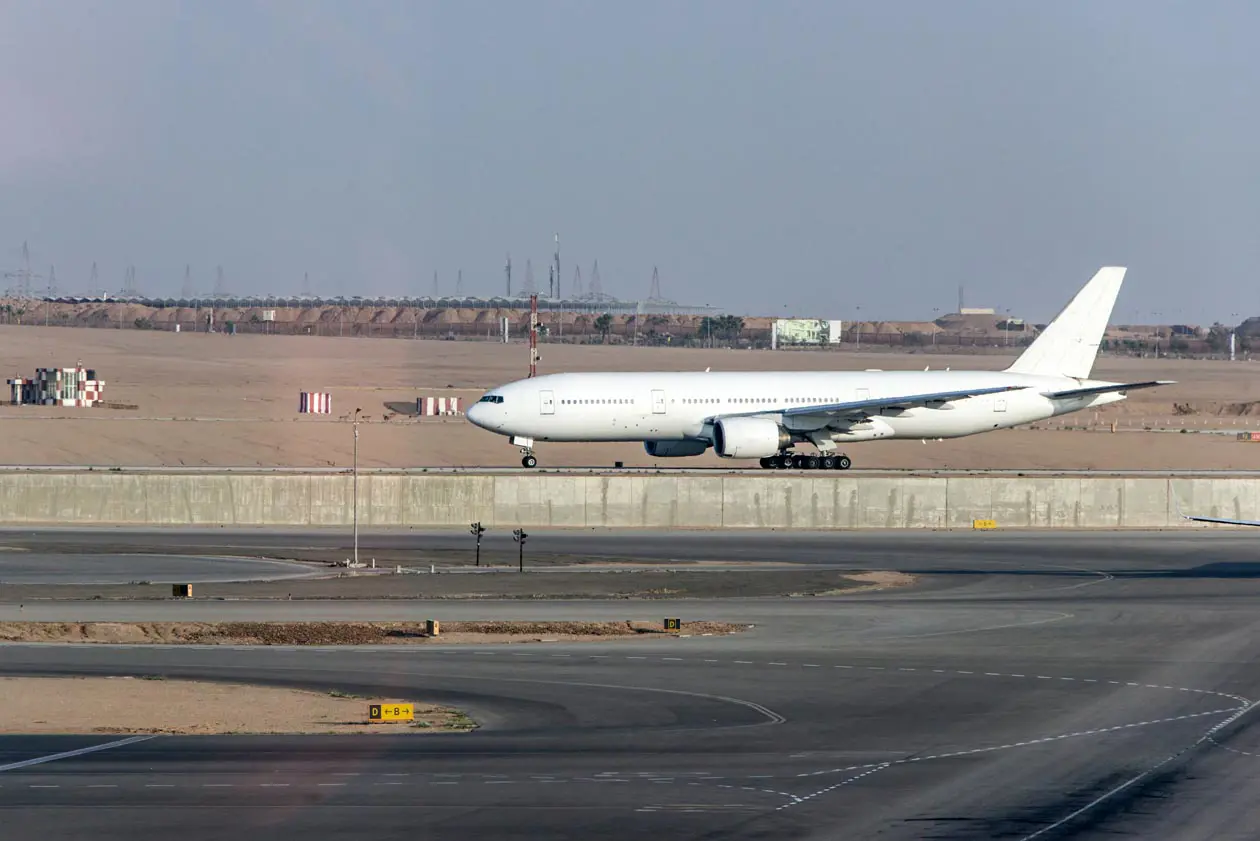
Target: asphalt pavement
{"points": [[1032, 685]]}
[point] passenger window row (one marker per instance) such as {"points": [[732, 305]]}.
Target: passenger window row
{"points": [[606, 401]]}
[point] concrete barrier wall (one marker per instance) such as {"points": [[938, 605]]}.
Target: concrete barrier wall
{"points": [[625, 501]]}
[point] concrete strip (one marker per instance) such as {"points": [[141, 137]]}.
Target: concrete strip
{"points": [[632, 500]]}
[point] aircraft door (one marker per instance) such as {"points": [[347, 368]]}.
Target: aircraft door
{"points": [[862, 394], [548, 403], [999, 404], [658, 401]]}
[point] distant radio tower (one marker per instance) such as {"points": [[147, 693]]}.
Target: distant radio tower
{"points": [[655, 293], [306, 285], [596, 289], [94, 283], [507, 270], [459, 283], [576, 292], [551, 282], [220, 288], [186, 291], [530, 288], [436, 291]]}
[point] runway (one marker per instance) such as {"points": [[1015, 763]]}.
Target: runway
{"points": [[1067, 685]]}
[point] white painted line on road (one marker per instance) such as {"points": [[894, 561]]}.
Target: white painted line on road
{"points": [[53, 757]]}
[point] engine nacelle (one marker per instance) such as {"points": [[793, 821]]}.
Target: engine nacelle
{"points": [[675, 449], [749, 438]]}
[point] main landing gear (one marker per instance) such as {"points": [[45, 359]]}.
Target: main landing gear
{"points": [[789, 461]]}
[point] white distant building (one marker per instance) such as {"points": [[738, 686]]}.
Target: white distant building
{"points": [[805, 331]]}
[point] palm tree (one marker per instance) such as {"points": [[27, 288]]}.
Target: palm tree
{"points": [[604, 325]]}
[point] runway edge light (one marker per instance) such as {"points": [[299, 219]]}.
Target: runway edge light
{"points": [[984, 524]]}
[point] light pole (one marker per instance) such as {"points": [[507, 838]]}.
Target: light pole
{"points": [[477, 530], [519, 536], [356, 486]]}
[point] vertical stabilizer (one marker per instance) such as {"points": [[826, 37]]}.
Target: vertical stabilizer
{"points": [[1069, 344]]}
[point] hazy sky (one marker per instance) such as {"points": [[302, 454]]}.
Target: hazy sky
{"points": [[769, 157]]}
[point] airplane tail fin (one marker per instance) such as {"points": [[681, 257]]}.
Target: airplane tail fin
{"points": [[1069, 344]]}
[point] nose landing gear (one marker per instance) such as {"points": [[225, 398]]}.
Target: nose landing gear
{"points": [[529, 460]]}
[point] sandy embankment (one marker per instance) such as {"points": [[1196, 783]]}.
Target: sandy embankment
{"points": [[341, 633], [128, 705]]}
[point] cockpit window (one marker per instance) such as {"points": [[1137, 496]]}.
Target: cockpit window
{"points": [[491, 398]]}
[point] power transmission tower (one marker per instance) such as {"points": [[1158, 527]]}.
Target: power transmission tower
{"points": [[129, 284], [306, 285], [596, 289], [557, 291], [186, 291], [530, 288], [507, 270], [23, 276], [655, 293], [220, 289], [576, 292], [459, 283], [436, 291]]}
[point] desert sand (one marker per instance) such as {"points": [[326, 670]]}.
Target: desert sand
{"points": [[126, 705], [218, 400]]}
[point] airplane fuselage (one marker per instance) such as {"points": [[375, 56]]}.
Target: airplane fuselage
{"points": [[681, 406]]}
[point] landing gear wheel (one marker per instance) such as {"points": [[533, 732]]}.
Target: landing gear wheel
{"points": [[768, 463], [529, 461], [811, 463], [843, 463], [784, 462], [828, 463], [800, 462]]}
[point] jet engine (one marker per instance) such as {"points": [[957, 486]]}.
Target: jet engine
{"points": [[749, 438], [675, 449]]}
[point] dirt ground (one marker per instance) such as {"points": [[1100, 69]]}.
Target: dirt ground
{"points": [[217, 400], [640, 584], [345, 633], [128, 705]]}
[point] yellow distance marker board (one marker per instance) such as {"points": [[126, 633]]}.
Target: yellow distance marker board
{"points": [[391, 712], [984, 524]]}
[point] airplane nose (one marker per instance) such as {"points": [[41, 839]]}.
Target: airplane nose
{"points": [[476, 415]]}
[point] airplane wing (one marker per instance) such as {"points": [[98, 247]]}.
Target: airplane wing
{"points": [[904, 401], [1221, 520], [1104, 389]]}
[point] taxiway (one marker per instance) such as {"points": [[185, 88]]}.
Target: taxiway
{"points": [[1066, 685]]}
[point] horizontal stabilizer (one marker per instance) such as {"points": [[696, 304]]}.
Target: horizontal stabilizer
{"points": [[1222, 520], [1105, 389]]}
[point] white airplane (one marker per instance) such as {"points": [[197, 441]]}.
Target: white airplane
{"points": [[763, 415]]}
